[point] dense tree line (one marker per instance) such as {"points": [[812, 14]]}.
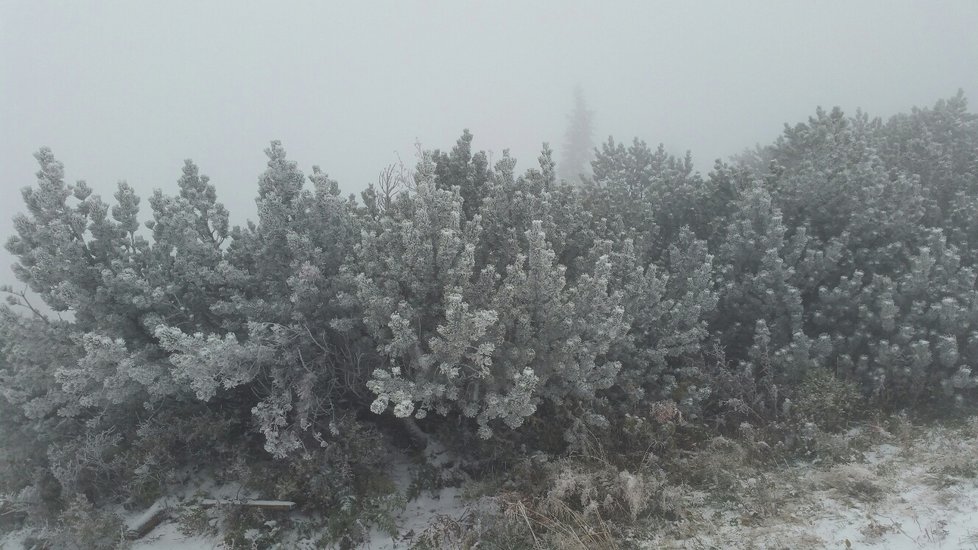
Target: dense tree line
{"points": [[478, 300]]}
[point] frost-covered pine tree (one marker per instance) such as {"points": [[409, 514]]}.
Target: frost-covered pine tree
{"points": [[281, 300], [578, 147], [459, 336], [465, 170]]}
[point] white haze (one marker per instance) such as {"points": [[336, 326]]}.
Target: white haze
{"points": [[126, 90]]}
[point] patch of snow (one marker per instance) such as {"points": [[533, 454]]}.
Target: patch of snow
{"points": [[417, 516], [420, 512], [882, 453], [916, 517], [168, 537], [14, 539], [900, 497]]}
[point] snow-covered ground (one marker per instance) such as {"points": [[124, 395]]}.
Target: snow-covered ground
{"points": [[426, 508], [918, 492], [429, 506], [168, 537]]}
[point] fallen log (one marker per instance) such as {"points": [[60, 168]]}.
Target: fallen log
{"points": [[148, 521], [275, 505]]}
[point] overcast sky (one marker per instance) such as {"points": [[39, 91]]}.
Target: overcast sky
{"points": [[127, 90]]}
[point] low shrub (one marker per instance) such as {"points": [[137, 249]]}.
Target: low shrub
{"points": [[826, 400]]}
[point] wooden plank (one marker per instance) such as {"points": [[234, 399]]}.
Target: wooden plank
{"points": [[276, 505]]}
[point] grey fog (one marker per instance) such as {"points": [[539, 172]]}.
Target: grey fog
{"points": [[127, 90]]}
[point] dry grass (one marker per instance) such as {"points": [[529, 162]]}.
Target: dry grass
{"points": [[903, 484], [882, 482], [853, 481], [555, 524]]}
